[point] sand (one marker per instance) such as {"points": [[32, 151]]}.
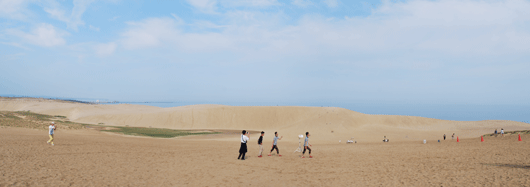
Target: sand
{"points": [[327, 124], [92, 158], [89, 158]]}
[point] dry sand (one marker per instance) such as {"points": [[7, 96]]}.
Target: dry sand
{"points": [[92, 158], [327, 124], [89, 158]]}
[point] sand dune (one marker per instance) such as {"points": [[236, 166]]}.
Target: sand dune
{"points": [[88, 157], [328, 124]]}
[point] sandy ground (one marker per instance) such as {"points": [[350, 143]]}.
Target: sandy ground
{"points": [[327, 124], [92, 158]]}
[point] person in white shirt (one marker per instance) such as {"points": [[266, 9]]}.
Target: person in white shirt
{"points": [[502, 132], [243, 149], [51, 132]]}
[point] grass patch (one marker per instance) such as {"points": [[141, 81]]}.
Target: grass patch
{"points": [[42, 117], [155, 132], [510, 132], [26, 119]]}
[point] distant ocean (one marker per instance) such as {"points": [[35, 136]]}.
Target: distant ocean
{"points": [[458, 112]]}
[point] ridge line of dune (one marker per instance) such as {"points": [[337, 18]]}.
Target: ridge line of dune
{"points": [[327, 123]]}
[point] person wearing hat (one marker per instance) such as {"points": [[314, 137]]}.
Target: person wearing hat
{"points": [[243, 149], [52, 130]]}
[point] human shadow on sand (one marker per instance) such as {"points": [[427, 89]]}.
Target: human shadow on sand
{"points": [[510, 165]]}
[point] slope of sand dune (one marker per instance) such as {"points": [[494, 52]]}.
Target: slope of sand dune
{"points": [[328, 124]]}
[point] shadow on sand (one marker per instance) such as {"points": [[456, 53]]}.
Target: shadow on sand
{"points": [[509, 165]]}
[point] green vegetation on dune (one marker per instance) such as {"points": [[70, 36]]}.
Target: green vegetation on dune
{"points": [[155, 132], [42, 117], [509, 132], [27, 119]]}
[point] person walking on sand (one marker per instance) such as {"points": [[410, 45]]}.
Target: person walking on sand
{"points": [[502, 132], [243, 149], [51, 132], [453, 136], [275, 144], [444, 136], [496, 133], [306, 145], [260, 143]]}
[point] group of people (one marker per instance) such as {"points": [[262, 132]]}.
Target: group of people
{"points": [[245, 137], [495, 133], [452, 136], [502, 132]]}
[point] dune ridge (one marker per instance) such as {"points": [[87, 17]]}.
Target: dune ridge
{"points": [[325, 123]]}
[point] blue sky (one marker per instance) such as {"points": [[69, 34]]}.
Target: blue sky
{"points": [[454, 51]]}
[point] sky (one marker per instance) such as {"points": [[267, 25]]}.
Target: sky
{"points": [[298, 51]]}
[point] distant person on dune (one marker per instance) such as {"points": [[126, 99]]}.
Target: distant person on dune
{"points": [[51, 132], [385, 139], [243, 149], [275, 144], [496, 133], [453, 136], [502, 132], [306, 145], [260, 143], [444, 136]]}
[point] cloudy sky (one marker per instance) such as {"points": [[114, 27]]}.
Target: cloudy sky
{"points": [[446, 51]]}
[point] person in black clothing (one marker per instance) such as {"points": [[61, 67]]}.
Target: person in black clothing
{"points": [[260, 143], [243, 149], [444, 136]]}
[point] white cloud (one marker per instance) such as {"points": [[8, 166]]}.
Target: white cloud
{"points": [[332, 3], [43, 35], [157, 32], [178, 19], [74, 20], [150, 32], [211, 6], [93, 28], [248, 3], [80, 7], [114, 18], [15, 44], [206, 6], [105, 49], [302, 3], [424, 30], [13, 9]]}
